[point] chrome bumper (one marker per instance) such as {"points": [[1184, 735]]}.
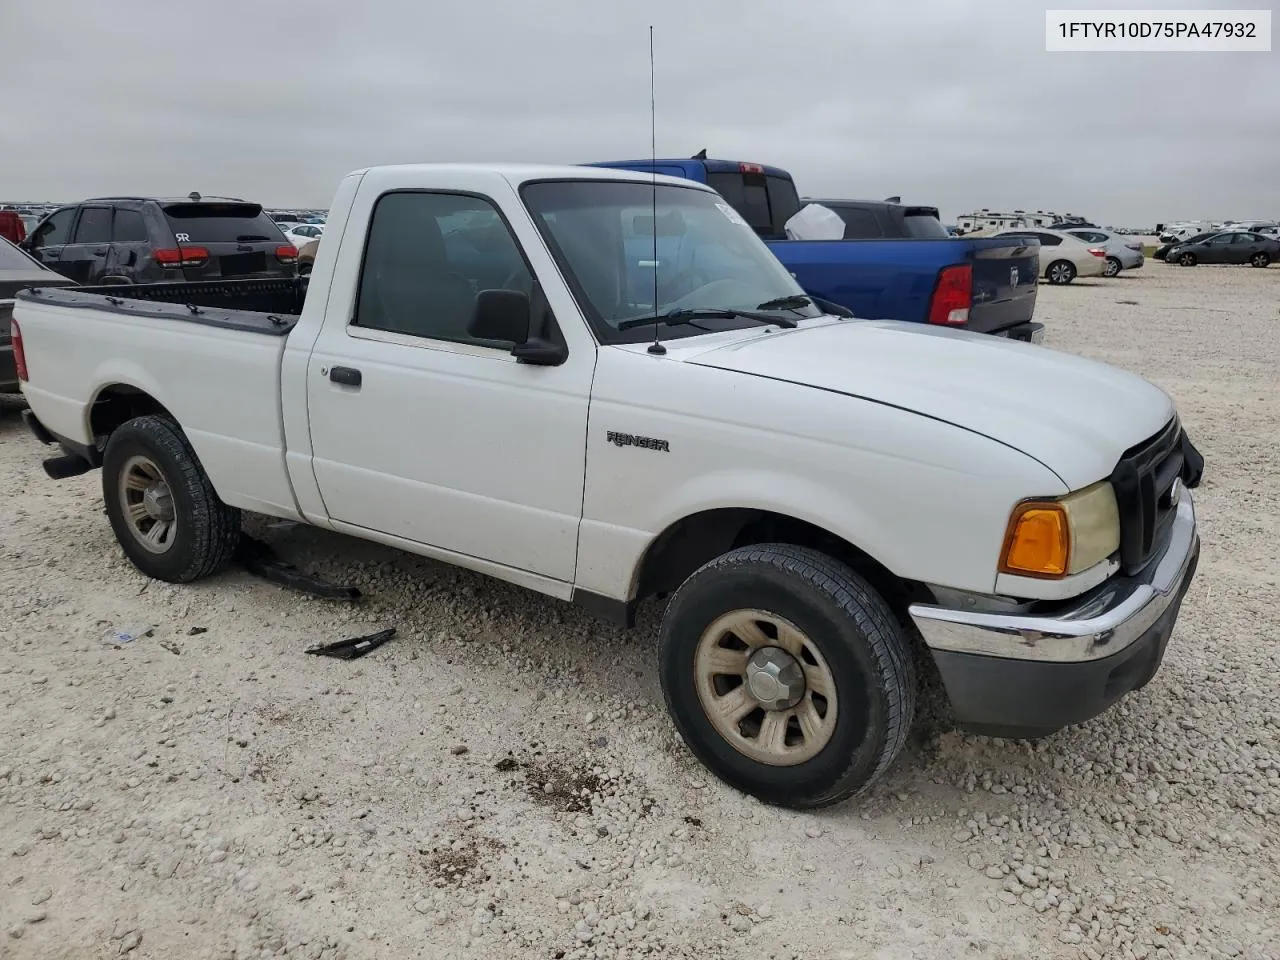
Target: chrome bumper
{"points": [[1103, 622]]}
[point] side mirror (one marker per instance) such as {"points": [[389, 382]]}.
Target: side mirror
{"points": [[500, 315], [507, 315]]}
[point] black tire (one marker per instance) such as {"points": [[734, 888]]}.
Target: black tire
{"points": [[1060, 272], [855, 632], [1187, 260], [1113, 267], [206, 530], [1260, 259]]}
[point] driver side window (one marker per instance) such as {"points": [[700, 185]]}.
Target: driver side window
{"points": [[55, 231], [428, 256]]}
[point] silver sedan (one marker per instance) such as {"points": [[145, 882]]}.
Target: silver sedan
{"points": [[1123, 253]]}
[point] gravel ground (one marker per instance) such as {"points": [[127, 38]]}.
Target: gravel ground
{"points": [[501, 781]]}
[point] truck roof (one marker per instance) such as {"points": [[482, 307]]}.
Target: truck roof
{"points": [[709, 165], [524, 172]]}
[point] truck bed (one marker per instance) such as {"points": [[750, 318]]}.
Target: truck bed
{"points": [[209, 353], [268, 305]]}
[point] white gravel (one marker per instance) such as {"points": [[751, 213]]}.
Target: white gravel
{"points": [[501, 781]]}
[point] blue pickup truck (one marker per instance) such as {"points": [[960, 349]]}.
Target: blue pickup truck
{"points": [[896, 262]]}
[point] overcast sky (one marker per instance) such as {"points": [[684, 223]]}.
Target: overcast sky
{"points": [[949, 102]]}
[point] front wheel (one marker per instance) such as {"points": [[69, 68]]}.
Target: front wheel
{"points": [[1187, 260], [162, 507], [1112, 268], [1061, 272], [787, 675], [1260, 259]]}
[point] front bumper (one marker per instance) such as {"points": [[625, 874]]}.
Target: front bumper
{"points": [[1027, 675]]}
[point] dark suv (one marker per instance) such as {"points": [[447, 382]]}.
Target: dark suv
{"points": [[147, 240]]}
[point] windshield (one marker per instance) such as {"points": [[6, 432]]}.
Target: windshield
{"points": [[601, 233]]}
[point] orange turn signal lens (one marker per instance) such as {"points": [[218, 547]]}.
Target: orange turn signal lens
{"points": [[1038, 542]]}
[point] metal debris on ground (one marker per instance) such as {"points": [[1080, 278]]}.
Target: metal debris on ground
{"points": [[261, 560], [122, 635], [353, 647]]}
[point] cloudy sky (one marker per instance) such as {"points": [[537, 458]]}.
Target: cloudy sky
{"points": [[951, 102]]}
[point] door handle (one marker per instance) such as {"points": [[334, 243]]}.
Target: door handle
{"points": [[100, 253], [347, 376]]}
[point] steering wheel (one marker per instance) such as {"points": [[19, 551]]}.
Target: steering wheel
{"points": [[684, 283]]}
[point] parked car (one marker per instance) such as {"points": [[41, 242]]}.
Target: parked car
{"points": [[1268, 228], [889, 273], [12, 226], [17, 271], [1228, 247], [148, 240], [808, 486], [302, 233], [1121, 254], [1162, 251], [307, 257], [1062, 256], [1176, 232]]}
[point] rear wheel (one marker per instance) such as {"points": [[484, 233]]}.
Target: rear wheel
{"points": [[1187, 260], [1061, 272], [1112, 268], [1260, 259], [162, 507], [787, 675]]}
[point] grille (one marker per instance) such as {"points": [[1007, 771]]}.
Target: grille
{"points": [[1143, 481]]}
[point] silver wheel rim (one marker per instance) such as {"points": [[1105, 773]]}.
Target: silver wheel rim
{"points": [[1260, 259], [765, 687], [1113, 267], [147, 504], [1059, 273]]}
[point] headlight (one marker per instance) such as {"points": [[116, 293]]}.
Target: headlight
{"points": [[1052, 539]]}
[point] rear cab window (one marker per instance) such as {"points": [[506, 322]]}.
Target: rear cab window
{"points": [[923, 223], [765, 200], [221, 223]]}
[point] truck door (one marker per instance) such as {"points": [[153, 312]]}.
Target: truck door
{"points": [[420, 430]]}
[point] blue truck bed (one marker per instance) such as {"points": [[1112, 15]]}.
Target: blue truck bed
{"points": [[986, 284]]}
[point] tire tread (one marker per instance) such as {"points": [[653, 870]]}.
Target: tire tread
{"points": [[215, 527], [874, 619]]}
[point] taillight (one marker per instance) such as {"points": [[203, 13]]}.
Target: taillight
{"points": [[750, 168], [952, 296], [181, 256], [287, 254], [19, 357], [1097, 251]]}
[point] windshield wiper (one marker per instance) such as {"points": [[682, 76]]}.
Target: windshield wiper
{"points": [[793, 302], [676, 317]]}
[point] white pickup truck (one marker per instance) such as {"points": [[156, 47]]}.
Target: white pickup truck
{"points": [[484, 370]]}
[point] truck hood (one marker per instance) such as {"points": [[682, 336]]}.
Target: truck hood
{"points": [[1075, 416]]}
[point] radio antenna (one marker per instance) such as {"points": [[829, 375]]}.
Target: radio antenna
{"points": [[656, 347]]}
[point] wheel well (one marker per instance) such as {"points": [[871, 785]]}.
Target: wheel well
{"points": [[116, 405], [689, 543]]}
